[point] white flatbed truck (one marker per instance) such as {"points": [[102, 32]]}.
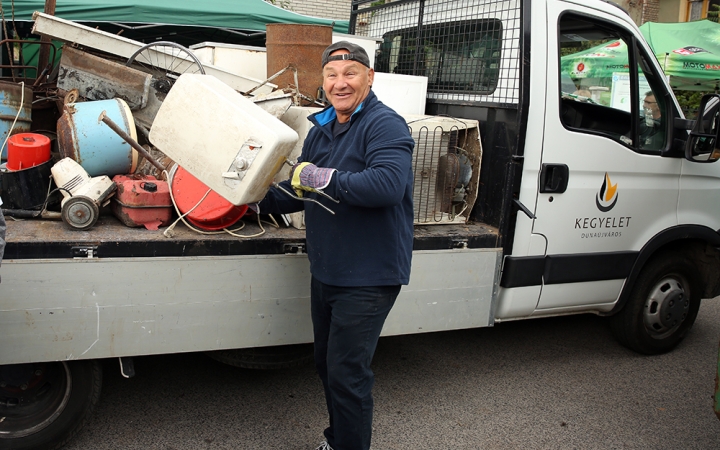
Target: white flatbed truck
{"points": [[575, 213]]}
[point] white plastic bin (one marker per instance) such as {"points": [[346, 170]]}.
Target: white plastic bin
{"points": [[220, 137]]}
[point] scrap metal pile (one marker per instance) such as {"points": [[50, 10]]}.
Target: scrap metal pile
{"points": [[148, 131], [80, 136]]}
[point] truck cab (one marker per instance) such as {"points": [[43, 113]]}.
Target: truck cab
{"points": [[584, 170]]}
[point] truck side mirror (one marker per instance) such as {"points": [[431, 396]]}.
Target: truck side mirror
{"points": [[703, 145]]}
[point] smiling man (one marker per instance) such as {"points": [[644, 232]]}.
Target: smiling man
{"points": [[360, 153]]}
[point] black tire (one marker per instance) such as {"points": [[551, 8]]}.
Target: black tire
{"points": [[266, 358], [662, 306], [45, 404]]}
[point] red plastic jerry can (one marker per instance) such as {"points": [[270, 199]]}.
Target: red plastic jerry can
{"points": [[142, 200]]}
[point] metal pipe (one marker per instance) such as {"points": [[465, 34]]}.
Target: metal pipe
{"points": [[44, 53], [29, 214], [282, 71], [303, 199], [127, 138]]}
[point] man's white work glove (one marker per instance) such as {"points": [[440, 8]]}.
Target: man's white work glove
{"points": [[309, 177]]}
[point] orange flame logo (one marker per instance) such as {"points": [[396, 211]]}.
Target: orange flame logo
{"points": [[607, 197]]}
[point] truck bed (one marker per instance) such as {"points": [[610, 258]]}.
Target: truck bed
{"points": [[33, 239], [118, 291]]}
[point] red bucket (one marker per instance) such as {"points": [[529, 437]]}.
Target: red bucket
{"points": [[214, 213], [26, 150]]}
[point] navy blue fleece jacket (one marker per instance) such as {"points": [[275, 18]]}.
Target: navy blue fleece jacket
{"points": [[368, 242]]}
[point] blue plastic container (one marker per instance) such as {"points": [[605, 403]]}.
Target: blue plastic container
{"points": [[11, 100], [94, 145]]}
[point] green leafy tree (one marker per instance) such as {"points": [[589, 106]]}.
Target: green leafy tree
{"points": [[690, 101], [713, 13]]}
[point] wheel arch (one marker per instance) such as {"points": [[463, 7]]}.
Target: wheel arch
{"points": [[700, 242]]}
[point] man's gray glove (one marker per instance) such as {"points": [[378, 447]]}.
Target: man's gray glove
{"points": [[308, 177]]}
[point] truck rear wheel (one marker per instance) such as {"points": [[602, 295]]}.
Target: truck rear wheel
{"points": [[662, 306], [43, 405], [276, 357]]}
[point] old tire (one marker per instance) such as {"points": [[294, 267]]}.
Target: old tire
{"points": [[266, 358], [662, 306], [45, 404]]}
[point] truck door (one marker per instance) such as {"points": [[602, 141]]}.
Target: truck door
{"points": [[604, 188]]}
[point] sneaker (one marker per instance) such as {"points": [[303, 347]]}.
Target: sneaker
{"points": [[324, 446]]}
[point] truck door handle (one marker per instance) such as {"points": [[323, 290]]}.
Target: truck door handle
{"points": [[554, 178]]}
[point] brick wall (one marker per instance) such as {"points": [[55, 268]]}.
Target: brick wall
{"points": [[328, 9], [642, 11], [650, 13]]}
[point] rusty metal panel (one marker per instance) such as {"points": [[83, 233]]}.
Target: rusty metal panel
{"points": [[66, 136], [146, 116], [68, 31], [300, 46], [97, 78]]}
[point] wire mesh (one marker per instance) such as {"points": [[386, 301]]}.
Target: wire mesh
{"points": [[443, 164], [468, 49]]}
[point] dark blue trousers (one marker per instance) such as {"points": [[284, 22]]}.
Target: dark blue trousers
{"points": [[347, 322]]}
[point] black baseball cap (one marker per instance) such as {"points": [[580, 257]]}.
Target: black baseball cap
{"points": [[357, 53]]}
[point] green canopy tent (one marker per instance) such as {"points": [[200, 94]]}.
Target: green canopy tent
{"points": [[596, 62], [688, 52], [601, 73], [184, 21]]}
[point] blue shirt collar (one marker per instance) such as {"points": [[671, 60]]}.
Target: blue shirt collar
{"points": [[325, 117]]}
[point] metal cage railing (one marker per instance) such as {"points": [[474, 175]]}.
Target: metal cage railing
{"points": [[468, 49]]}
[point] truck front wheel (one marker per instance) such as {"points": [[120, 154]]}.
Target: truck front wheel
{"points": [[662, 306], [43, 405]]}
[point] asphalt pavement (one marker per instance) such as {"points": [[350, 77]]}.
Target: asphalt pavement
{"points": [[559, 383]]}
